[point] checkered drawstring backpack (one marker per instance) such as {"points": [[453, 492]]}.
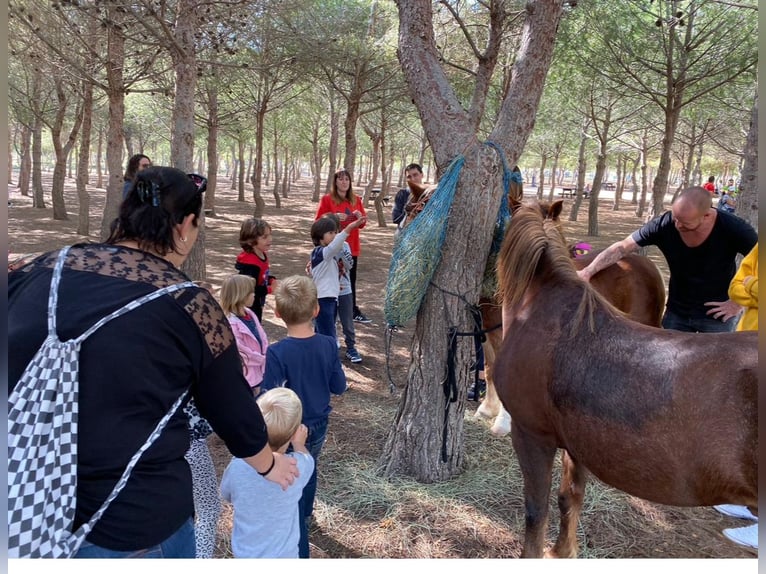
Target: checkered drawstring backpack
{"points": [[42, 440]]}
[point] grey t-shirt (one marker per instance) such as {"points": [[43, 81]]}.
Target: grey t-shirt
{"points": [[265, 516]]}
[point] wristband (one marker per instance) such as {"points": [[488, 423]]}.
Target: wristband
{"points": [[273, 462]]}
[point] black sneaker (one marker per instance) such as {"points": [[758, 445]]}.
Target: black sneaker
{"points": [[482, 386], [361, 318]]}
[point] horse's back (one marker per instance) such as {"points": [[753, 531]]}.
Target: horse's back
{"points": [[634, 285]]}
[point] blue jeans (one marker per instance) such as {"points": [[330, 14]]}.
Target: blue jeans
{"points": [[672, 320], [314, 444], [178, 545], [346, 316], [325, 320]]}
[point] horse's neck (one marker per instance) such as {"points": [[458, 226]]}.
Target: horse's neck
{"points": [[518, 313]]}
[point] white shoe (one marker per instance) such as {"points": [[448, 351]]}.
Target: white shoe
{"points": [[744, 536], [736, 511]]}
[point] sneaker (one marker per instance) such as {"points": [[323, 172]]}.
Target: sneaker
{"points": [[361, 318], [353, 356], [744, 535], [482, 386], [736, 511]]}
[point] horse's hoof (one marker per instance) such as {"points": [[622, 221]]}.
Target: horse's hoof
{"points": [[502, 424], [500, 428], [484, 412]]}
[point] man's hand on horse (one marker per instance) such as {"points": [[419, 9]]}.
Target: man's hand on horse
{"points": [[723, 310]]}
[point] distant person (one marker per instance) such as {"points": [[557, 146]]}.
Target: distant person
{"points": [[307, 363], [136, 163], [727, 203], [253, 260], [343, 201], [414, 173], [700, 245], [710, 185], [267, 518], [744, 290]]}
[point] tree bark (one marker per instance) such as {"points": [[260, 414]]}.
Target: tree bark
{"points": [[747, 202], [83, 199]]}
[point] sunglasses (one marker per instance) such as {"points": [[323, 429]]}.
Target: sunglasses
{"points": [[199, 181]]}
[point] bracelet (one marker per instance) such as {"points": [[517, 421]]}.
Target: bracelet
{"points": [[273, 462]]}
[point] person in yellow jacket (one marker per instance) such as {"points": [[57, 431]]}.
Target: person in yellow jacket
{"points": [[743, 289]]}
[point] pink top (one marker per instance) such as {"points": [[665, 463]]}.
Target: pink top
{"points": [[252, 352]]}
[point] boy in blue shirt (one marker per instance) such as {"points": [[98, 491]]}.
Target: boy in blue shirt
{"points": [[267, 518], [308, 363]]}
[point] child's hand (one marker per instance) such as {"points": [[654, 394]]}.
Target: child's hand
{"points": [[357, 222], [298, 440]]}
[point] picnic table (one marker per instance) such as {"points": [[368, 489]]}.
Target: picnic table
{"points": [[572, 192], [609, 186], [375, 193]]}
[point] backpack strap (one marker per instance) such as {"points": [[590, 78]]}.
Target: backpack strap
{"points": [[53, 295]]}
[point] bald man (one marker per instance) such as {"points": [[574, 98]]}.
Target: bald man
{"points": [[700, 245]]}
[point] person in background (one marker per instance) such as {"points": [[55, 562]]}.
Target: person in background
{"points": [[136, 163], [266, 518], [710, 185], [253, 260], [414, 173], [343, 201], [727, 202], [700, 245], [176, 343], [308, 363], [744, 291]]}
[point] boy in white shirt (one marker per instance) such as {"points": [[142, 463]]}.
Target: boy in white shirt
{"points": [[266, 521]]}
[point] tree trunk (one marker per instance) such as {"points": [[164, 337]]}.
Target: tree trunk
{"points": [[212, 146], [62, 150], [541, 176], [333, 148], [83, 199], [426, 438], [114, 139], [25, 162], [260, 114], [38, 196], [596, 189], [581, 166], [747, 201]]}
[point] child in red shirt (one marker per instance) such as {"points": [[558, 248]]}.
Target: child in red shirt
{"points": [[255, 240]]}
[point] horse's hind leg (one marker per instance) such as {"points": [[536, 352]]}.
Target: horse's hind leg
{"points": [[571, 493], [536, 463]]}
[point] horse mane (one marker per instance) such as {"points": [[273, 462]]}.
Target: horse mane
{"points": [[533, 246]]}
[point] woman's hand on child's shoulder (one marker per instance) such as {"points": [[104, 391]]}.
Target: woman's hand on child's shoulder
{"points": [[284, 472]]}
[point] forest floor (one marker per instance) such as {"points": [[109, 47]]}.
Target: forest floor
{"points": [[359, 514]]}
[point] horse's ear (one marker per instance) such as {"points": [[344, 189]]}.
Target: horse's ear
{"points": [[514, 204], [554, 211]]}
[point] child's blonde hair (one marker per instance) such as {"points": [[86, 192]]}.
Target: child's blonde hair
{"points": [[234, 292], [282, 410], [296, 299]]}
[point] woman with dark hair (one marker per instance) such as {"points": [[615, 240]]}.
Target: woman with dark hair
{"points": [[344, 202], [137, 365], [136, 163]]}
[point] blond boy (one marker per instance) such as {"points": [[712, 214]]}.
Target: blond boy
{"points": [[266, 518]]}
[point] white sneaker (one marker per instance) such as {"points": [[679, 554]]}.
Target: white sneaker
{"points": [[736, 511], [744, 536]]}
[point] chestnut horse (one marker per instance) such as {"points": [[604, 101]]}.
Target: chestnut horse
{"points": [[634, 285], [666, 416]]}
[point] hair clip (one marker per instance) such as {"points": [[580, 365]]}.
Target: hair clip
{"points": [[148, 189]]}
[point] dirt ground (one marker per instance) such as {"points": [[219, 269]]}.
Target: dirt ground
{"points": [[358, 515]]}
